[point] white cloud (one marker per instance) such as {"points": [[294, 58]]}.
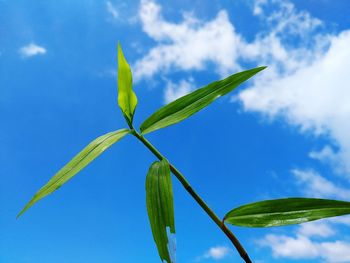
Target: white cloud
{"points": [[307, 68], [305, 81], [313, 184], [340, 220], [318, 228], [330, 156], [257, 9], [306, 84], [307, 97], [309, 242], [284, 25], [337, 251], [285, 246], [119, 12], [187, 45], [302, 247], [326, 154], [112, 10], [174, 91], [31, 50], [317, 239], [216, 253]]}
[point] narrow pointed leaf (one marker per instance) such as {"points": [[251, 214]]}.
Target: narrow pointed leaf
{"points": [[160, 208], [189, 104], [127, 99], [288, 211], [82, 159]]}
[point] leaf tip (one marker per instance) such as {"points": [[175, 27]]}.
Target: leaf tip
{"points": [[261, 68], [21, 212]]}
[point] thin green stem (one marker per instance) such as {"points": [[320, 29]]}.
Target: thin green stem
{"points": [[198, 199]]}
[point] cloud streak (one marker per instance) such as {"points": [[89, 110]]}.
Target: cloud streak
{"points": [[112, 10]]}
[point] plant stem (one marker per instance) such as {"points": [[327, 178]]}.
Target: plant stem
{"points": [[198, 199]]}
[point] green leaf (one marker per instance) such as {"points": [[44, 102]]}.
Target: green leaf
{"points": [[189, 104], [160, 208], [127, 99], [82, 159], [286, 211]]}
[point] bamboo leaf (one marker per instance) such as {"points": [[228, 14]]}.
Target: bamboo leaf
{"points": [[189, 104], [127, 99], [160, 208], [288, 211], [82, 159]]}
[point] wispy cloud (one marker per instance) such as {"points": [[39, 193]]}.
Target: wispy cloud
{"points": [[216, 253], [316, 229], [284, 18], [177, 90], [31, 50], [112, 10], [331, 156], [315, 185]]}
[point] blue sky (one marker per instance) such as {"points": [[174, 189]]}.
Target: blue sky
{"points": [[284, 133]]}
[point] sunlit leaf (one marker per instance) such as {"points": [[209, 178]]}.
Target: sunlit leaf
{"points": [[160, 208], [189, 104], [286, 211], [127, 99], [82, 159]]}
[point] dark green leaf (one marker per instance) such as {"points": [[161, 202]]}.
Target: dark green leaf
{"points": [[82, 159], [286, 211], [160, 208], [189, 104], [127, 99]]}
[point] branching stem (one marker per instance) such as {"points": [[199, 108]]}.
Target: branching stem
{"points": [[198, 199]]}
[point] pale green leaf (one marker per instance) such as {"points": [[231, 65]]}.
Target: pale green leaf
{"points": [[286, 211], [127, 99], [189, 104], [160, 208], [82, 159]]}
